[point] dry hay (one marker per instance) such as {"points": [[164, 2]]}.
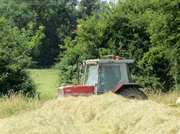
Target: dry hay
{"points": [[102, 114]]}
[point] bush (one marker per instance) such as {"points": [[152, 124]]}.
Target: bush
{"points": [[18, 81], [148, 82], [15, 47]]}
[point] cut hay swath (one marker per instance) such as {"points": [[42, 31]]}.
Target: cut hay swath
{"points": [[98, 114]]}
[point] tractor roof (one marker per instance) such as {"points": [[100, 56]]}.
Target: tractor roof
{"points": [[108, 61]]}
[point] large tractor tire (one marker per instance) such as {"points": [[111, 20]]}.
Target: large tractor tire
{"points": [[133, 93]]}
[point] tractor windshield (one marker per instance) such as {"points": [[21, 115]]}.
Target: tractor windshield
{"points": [[109, 77], [91, 75]]}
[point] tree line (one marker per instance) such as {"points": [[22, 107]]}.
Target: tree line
{"points": [[41, 34], [145, 30], [30, 34]]}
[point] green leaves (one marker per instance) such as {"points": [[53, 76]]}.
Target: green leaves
{"points": [[164, 34], [18, 43], [15, 48], [147, 31]]}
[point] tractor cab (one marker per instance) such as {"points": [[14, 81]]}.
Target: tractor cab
{"points": [[103, 75], [106, 74]]}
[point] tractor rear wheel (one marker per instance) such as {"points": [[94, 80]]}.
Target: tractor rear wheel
{"points": [[133, 93]]}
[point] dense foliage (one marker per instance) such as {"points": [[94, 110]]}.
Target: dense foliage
{"points": [[147, 31], [15, 47], [64, 31], [33, 30]]}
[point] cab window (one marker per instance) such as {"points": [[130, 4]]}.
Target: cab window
{"points": [[109, 77], [91, 77]]}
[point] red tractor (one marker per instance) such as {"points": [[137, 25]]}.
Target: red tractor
{"points": [[103, 75]]}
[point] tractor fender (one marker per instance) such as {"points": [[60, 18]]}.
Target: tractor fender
{"points": [[121, 86]]}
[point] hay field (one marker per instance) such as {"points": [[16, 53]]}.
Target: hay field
{"points": [[98, 114]]}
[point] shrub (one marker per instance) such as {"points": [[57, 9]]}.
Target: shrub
{"points": [[18, 81]]}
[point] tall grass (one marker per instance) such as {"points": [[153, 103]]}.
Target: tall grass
{"points": [[168, 98], [46, 81], [98, 114], [16, 104]]}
